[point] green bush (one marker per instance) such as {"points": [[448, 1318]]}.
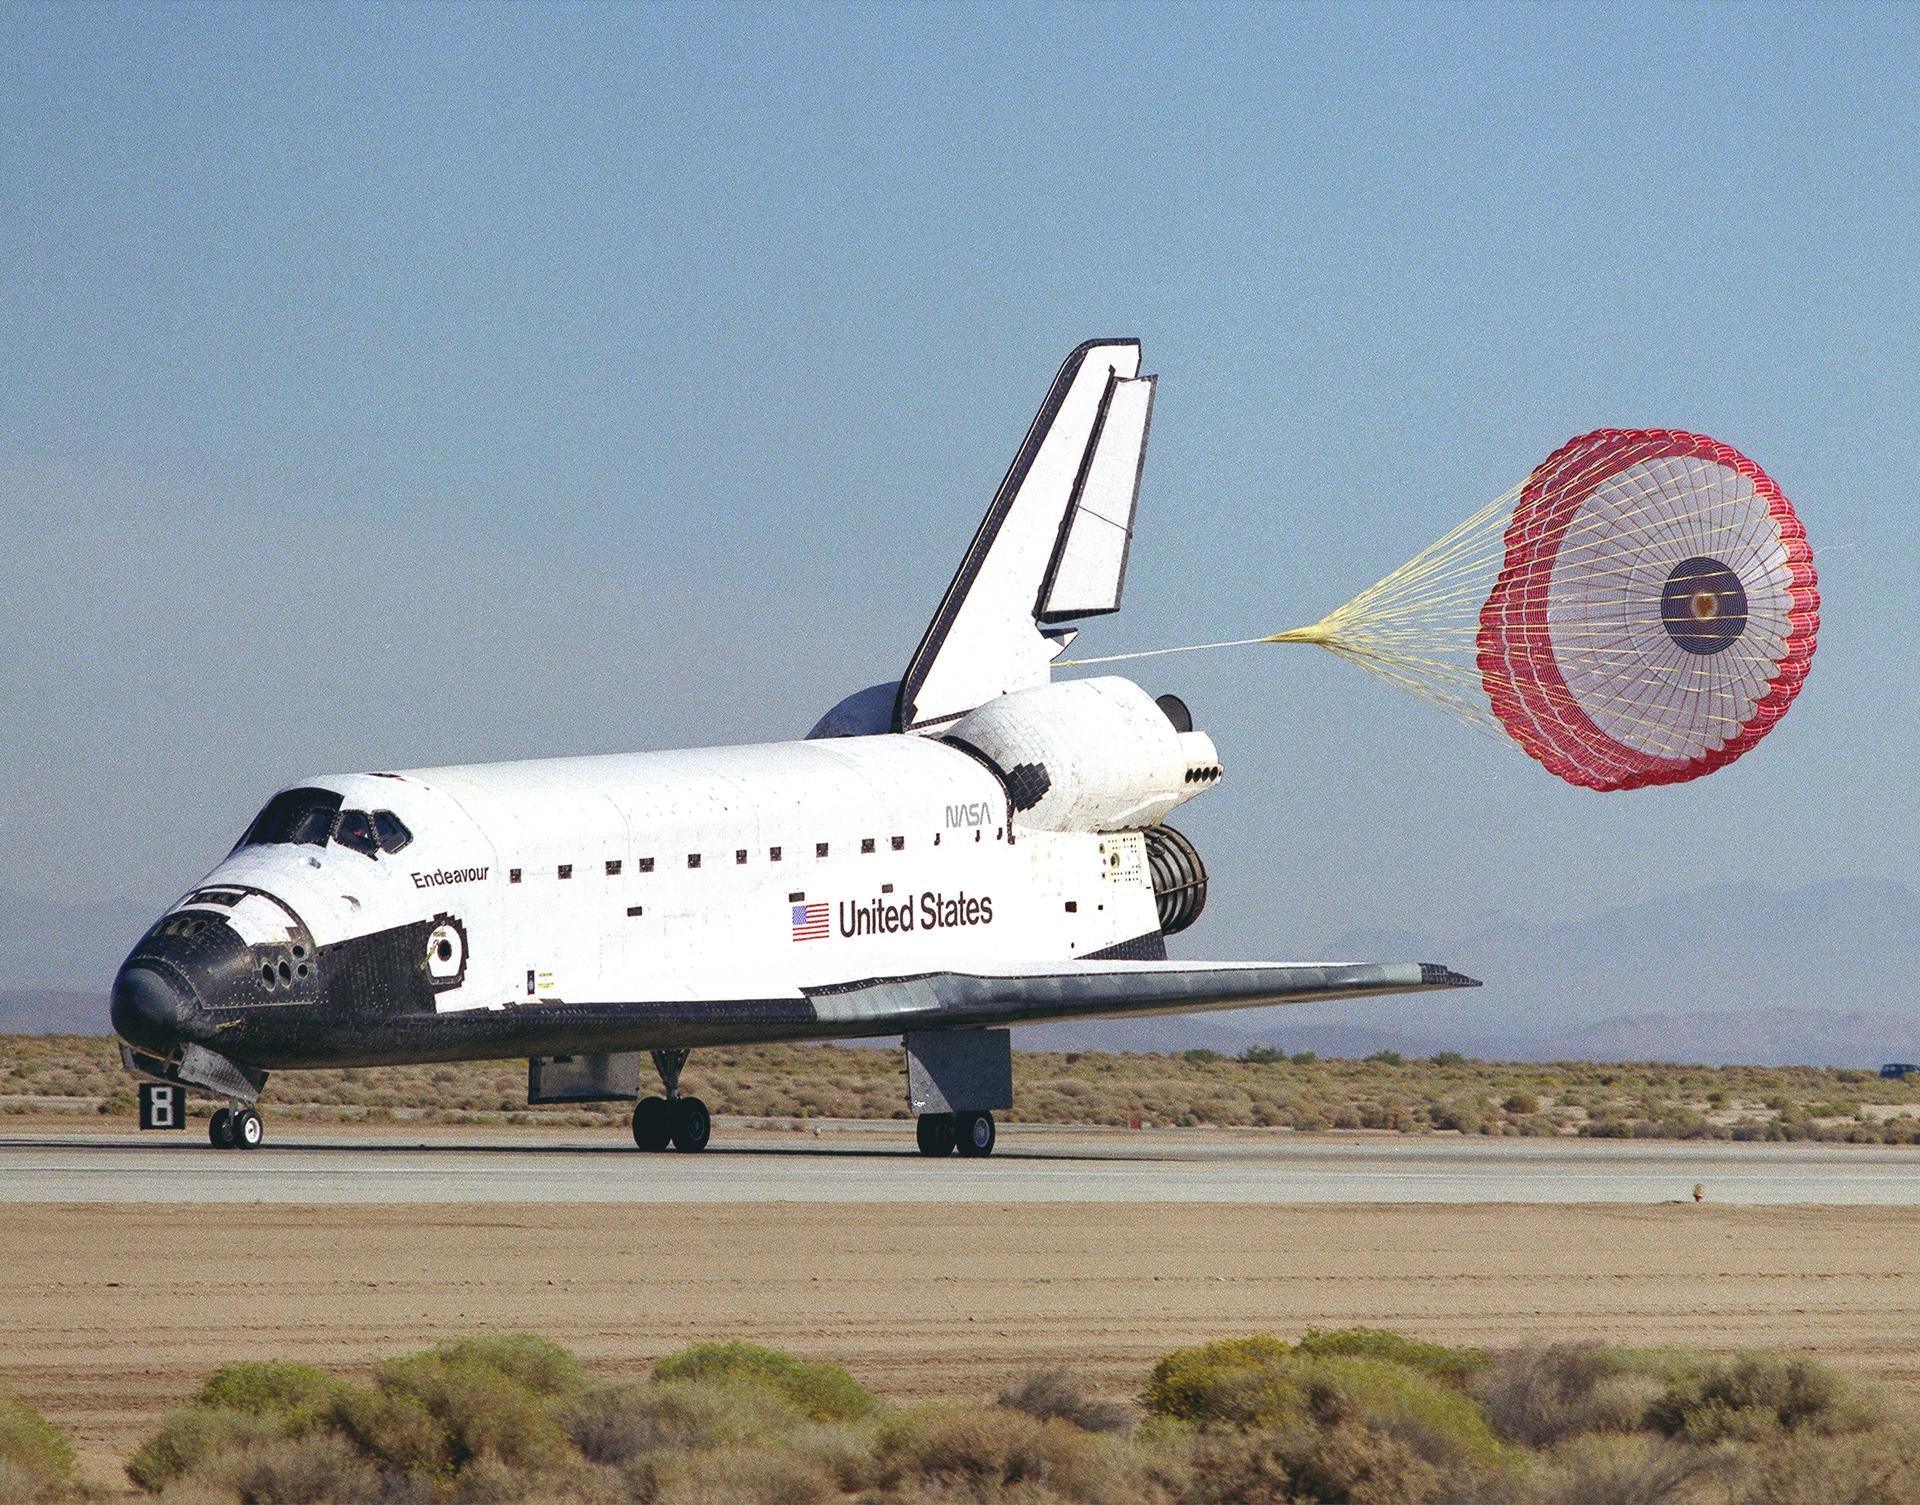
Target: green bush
{"points": [[1265, 1382], [481, 1411], [533, 1363], [1439, 1421], [1236, 1380], [296, 1396], [824, 1392], [31, 1448], [189, 1437], [1433, 1359]]}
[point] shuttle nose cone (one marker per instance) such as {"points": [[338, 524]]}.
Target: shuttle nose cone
{"points": [[150, 1009]]}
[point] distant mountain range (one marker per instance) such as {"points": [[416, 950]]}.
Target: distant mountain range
{"points": [[1819, 974], [1823, 974]]}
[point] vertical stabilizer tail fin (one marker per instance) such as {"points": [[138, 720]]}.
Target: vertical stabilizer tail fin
{"points": [[1052, 547]]}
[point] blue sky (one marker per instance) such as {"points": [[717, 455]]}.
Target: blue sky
{"points": [[390, 386]]}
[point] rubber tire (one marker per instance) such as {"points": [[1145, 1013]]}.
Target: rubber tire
{"points": [[220, 1129], [976, 1134], [652, 1123], [936, 1134], [692, 1124], [249, 1130]]}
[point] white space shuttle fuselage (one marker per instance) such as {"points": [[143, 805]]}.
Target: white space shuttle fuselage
{"points": [[970, 846]]}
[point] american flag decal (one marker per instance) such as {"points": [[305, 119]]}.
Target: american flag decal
{"points": [[809, 922]]}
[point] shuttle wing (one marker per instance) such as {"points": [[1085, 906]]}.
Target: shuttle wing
{"points": [[1113, 989], [1052, 547], [964, 997]]}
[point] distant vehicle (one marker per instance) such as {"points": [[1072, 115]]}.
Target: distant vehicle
{"points": [[970, 847], [1894, 1070]]}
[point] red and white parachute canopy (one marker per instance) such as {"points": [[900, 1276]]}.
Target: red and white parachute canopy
{"points": [[1655, 610], [1641, 610]]}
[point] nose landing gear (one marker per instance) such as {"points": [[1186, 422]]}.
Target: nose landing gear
{"points": [[236, 1128], [680, 1121]]}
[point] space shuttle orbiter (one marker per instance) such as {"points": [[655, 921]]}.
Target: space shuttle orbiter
{"points": [[971, 847]]}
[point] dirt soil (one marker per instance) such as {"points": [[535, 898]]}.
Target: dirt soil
{"points": [[114, 1313]]}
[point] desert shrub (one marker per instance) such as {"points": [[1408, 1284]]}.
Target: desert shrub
{"points": [[620, 1423], [1803, 1469], [824, 1392], [295, 1396], [982, 1451], [1239, 1380], [488, 1481], [1755, 1394], [187, 1438], [1433, 1419], [843, 1450], [533, 1363], [1540, 1396], [1348, 1464], [481, 1411], [37, 1457], [1434, 1359], [1632, 1470], [1265, 1382], [745, 1476], [20, 1487], [395, 1428], [319, 1469], [1521, 1102], [1054, 1392]]}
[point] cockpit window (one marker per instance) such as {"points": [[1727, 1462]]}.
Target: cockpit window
{"points": [[354, 831], [301, 817], [390, 831]]}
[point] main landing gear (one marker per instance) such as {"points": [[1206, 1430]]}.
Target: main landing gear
{"points": [[972, 1134], [236, 1128], [680, 1121]]}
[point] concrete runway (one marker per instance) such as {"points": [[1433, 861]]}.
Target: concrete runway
{"points": [[320, 1165]]}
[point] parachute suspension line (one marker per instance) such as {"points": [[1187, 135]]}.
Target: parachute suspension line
{"points": [[1641, 609]]}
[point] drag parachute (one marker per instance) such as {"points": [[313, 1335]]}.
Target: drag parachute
{"points": [[1641, 610]]}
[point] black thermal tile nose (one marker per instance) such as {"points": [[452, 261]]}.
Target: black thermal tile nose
{"points": [[150, 1010]]}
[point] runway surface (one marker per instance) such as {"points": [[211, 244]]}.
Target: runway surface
{"points": [[316, 1165]]}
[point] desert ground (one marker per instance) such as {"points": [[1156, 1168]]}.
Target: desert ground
{"points": [[116, 1311]]}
